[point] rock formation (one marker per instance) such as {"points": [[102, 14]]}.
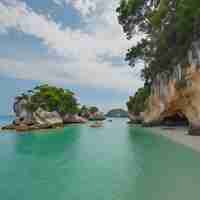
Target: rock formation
{"points": [[97, 116], [135, 119], [21, 112], [47, 119], [177, 94], [39, 119], [73, 119], [91, 113]]}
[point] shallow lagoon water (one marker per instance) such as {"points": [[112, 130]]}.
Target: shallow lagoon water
{"points": [[115, 162]]}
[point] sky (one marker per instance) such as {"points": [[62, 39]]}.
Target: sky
{"points": [[74, 44]]}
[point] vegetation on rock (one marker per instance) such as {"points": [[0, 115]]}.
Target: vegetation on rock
{"points": [[138, 102], [93, 109], [168, 27], [92, 113], [51, 99]]}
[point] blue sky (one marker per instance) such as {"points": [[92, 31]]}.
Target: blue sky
{"points": [[75, 44]]}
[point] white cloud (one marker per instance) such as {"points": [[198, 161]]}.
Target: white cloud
{"points": [[85, 7], [58, 2], [80, 48]]}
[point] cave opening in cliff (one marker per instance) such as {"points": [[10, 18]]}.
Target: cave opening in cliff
{"points": [[177, 119]]}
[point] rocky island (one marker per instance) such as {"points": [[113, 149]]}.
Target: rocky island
{"points": [[117, 113], [49, 107], [92, 113]]}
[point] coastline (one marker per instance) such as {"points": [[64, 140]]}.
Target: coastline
{"points": [[178, 135]]}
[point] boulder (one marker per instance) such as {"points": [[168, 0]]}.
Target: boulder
{"points": [[73, 119], [46, 119], [194, 130], [135, 119]]}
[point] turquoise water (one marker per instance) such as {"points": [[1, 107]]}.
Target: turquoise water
{"points": [[116, 162], [5, 120]]}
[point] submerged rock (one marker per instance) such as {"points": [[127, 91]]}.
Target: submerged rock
{"points": [[22, 127], [97, 124]]}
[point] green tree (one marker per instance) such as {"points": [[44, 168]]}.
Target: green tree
{"points": [[138, 102], [93, 109], [84, 111], [51, 98], [169, 27]]}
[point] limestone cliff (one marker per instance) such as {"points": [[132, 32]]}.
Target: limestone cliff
{"points": [[177, 93]]}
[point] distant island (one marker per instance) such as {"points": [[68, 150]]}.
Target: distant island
{"points": [[117, 113], [47, 107]]}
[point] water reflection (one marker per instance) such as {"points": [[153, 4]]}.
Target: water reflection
{"points": [[165, 168], [51, 142], [117, 162]]}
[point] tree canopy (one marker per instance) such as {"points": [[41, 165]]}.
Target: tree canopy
{"points": [[168, 27], [51, 98], [93, 109], [138, 102], [86, 111]]}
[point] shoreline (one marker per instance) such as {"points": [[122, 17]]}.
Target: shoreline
{"points": [[178, 135]]}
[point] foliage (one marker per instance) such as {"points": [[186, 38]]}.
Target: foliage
{"points": [[51, 99], [93, 109], [87, 111], [138, 102], [84, 111], [168, 27]]}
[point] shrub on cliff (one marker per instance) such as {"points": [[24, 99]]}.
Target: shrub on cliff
{"points": [[138, 102]]}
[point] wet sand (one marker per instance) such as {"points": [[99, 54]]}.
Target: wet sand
{"points": [[179, 135]]}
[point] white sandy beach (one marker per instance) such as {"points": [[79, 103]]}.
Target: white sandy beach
{"points": [[179, 135]]}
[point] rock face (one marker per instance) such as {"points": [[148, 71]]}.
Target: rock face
{"points": [[177, 95], [20, 109], [47, 119], [135, 119], [73, 119]]}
